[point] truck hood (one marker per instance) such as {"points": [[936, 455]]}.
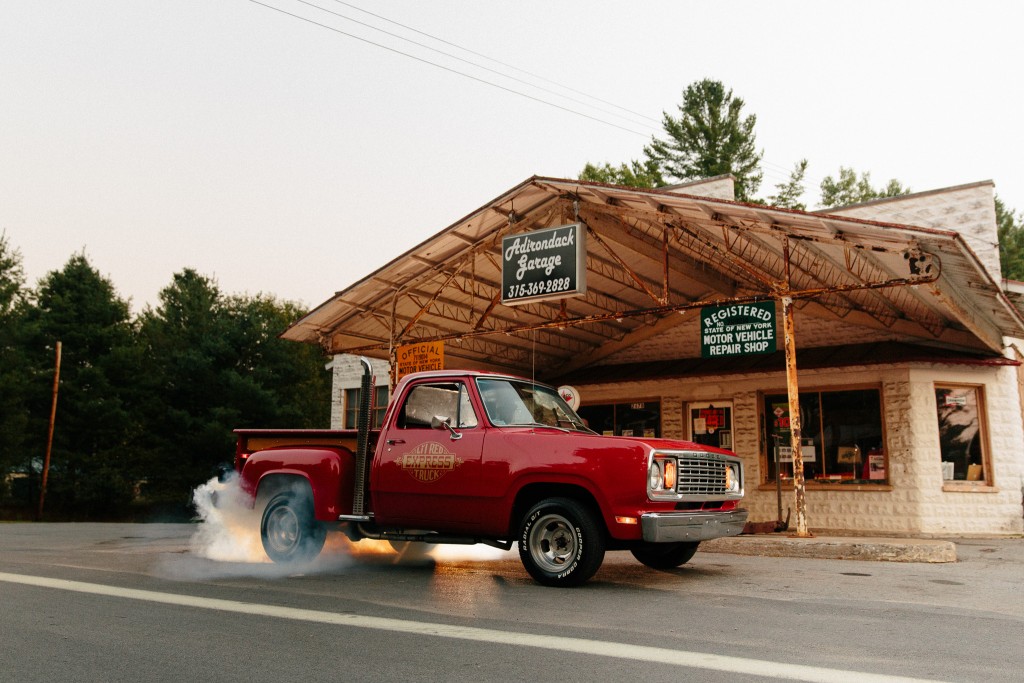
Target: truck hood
{"points": [[656, 444]]}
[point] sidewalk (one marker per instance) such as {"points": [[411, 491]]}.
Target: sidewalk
{"points": [[835, 547]]}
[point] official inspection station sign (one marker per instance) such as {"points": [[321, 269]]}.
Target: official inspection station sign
{"points": [[737, 329], [543, 264], [419, 358]]}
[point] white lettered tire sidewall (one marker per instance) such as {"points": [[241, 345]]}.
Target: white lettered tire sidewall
{"points": [[561, 542]]}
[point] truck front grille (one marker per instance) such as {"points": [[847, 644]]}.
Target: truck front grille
{"points": [[700, 475]]}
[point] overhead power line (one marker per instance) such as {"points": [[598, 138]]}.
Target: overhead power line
{"points": [[457, 58], [773, 172], [446, 68], [499, 62]]}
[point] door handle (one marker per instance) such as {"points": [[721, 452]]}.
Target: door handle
{"points": [[392, 442]]}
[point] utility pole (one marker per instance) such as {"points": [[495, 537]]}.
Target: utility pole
{"points": [[49, 435]]}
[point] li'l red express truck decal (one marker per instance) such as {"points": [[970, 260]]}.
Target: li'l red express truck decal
{"points": [[428, 462]]}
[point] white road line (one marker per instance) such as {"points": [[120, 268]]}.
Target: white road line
{"points": [[699, 660]]}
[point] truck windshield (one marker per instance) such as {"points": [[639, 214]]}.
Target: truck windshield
{"points": [[511, 402]]}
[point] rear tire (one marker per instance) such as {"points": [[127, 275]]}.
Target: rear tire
{"points": [[289, 531], [665, 555], [561, 543]]}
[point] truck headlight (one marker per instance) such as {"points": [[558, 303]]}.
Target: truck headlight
{"points": [[657, 482]]}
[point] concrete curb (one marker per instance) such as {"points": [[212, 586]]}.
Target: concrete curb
{"points": [[836, 548]]}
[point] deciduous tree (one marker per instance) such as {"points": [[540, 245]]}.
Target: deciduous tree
{"points": [[634, 174], [849, 188]]}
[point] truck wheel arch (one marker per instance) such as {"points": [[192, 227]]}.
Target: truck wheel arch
{"points": [[273, 483], [327, 473], [531, 494]]}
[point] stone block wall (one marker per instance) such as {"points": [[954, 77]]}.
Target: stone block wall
{"points": [[915, 502], [966, 209], [347, 373]]}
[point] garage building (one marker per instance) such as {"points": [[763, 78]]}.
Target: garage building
{"points": [[905, 338]]}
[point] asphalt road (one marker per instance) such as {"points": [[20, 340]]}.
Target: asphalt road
{"points": [[126, 602]]}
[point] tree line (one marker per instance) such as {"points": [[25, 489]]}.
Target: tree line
{"points": [[710, 135], [146, 403]]}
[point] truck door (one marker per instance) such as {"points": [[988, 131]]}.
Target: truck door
{"points": [[428, 477]]}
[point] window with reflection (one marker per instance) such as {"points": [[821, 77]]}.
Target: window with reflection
{"points": [[962, 438], [636, 418], [842, 440], [447, 402]]}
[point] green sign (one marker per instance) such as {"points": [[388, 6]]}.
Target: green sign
{"points": [[737, 329]]}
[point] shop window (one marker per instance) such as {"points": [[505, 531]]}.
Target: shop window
{"points": [[962, 438], [841, 437], [380, 405], [710, 424], [640, 418]]}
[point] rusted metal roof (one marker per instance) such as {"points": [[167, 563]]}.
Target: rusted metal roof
{"points": [[652, 257]]}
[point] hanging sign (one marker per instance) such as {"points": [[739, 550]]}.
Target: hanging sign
{"points": [[420, 357], [543, 264], [737, 329]]}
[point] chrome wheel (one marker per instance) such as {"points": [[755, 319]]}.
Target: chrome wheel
{"points": [[282, 530], [553, 543]]}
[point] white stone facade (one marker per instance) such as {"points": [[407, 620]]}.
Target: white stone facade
{"points": [[916, 501], [967, 209]]}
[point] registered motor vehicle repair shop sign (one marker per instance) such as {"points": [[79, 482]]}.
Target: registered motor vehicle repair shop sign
{"points": [[737, 329]]}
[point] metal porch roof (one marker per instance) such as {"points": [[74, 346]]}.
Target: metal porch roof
{"points": [[653, 256]]}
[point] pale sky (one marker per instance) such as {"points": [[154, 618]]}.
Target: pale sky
{"points": [[279, 156]]}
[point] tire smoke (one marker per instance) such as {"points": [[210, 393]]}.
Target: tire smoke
{"points": [[229, 529]]}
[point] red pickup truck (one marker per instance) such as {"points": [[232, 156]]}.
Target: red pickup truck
{"points": [[472, 457]]}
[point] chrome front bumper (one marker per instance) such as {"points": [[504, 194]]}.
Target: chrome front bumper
{"points": [[673, 527]]}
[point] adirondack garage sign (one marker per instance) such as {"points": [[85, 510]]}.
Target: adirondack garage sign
{"points": [[737, 329], [543, 264]]}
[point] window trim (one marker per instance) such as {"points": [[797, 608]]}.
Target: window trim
{"points": [[434, 382], [729, 403], [346, 408], [988, 484]]}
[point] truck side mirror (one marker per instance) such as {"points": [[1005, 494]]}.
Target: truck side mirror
{"points": [[440, 422]]}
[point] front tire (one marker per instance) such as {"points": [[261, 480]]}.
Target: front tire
{"points": [[289, 531], [561, 543], [665, 555]]}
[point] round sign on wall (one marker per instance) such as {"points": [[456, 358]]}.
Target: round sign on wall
{"points": [[570, 396]]}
